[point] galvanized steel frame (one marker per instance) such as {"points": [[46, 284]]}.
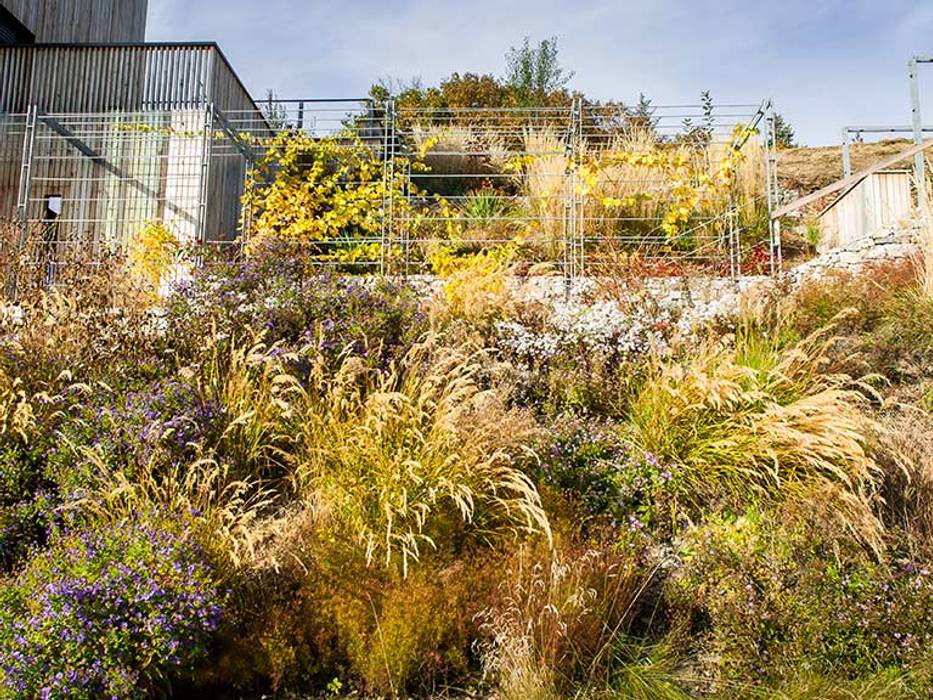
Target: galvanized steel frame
{"points": [[226, 135]]}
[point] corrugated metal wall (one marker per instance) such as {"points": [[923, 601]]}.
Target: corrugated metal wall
{"points": [[82, 21]]}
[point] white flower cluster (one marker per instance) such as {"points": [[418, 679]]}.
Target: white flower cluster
{"points": [[598, 328], [695, 317]]}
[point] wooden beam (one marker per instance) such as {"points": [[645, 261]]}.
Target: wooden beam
{"points": [[850, 181]]}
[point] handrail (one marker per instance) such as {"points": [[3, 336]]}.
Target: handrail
{"points": [[851, 180]]}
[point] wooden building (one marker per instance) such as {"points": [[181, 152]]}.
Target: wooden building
{"points": [[877, 201], [101, 136], [73, 21]]}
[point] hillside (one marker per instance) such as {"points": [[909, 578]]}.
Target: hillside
{"points": [[806, 169]]}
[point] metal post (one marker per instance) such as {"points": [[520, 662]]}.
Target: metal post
{"points": [[22, 202], [735, 248], [388, 226], [581, 227], [570, 238], [207, 150], [846, 157], [917, 123], [406, 230], [774, 227], [575, 201], [776, 189], [387, 129]]}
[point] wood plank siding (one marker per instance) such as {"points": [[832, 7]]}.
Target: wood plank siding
{"points": [[122, 137], [97, 78], [879, 201], [82, 21]]}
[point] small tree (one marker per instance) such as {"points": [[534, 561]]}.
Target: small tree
{"points": [[783, 132], [641, 116], [274, 112], [533, 72]]}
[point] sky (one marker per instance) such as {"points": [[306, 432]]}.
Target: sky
{"points": [[825, 63]]}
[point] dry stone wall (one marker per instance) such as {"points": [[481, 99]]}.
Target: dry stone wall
{"points": [[886, 245]]}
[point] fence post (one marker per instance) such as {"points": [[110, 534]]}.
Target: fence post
{"points": [[581, 218], [22, 201], [771, 177], [207, 150], [917, 123], [388, 161], [572, 206], [846, 156]]}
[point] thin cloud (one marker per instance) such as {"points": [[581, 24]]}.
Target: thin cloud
{"points": [[826, 63]]}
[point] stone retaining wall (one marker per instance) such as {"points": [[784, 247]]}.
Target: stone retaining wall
{"points": [[883, 246]]}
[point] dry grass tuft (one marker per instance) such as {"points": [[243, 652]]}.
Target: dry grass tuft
{"points": [[560, 617], [761, 421], [402, 460], [925, 244], [249, 381]]}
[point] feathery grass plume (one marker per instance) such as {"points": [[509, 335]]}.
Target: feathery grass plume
{"points": [[546, 183], [562, 621], [907, 456], [248, 380], [226, 512], [404, 459], [454, 149], [16, 411], [760, 421]]}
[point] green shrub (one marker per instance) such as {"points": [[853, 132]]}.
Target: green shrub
{"points": [[112, 611], [775, 593], [603, 479], [281, 294], [320, 612], [885, 321], [885, 685]]}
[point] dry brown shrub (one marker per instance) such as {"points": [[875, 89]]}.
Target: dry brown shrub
{"points": [[558, 617], [906, 453]]}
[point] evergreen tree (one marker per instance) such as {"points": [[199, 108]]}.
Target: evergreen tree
{"points": [[783, 132]]}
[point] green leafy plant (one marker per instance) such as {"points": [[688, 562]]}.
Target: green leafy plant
{"points": [[110, 611]]}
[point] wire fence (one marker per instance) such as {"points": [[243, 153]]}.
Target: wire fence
{"points": [[580, 188]]}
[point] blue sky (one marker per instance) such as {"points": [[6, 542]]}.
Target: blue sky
{"points": [[826, 63]]}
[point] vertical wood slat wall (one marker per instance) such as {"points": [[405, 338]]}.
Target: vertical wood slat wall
{"points": [[77, 78], [879, 201], [167, 84], [85, 21]]}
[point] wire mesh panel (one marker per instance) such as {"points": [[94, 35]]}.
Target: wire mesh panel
{"points": [[367, 186], [483, 179], [93, 183], [671, 188], [99, 179], [579, 188], [321, 178]]}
